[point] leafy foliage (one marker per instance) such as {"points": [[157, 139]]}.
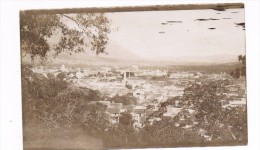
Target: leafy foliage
{"points": [[61, 75], [240, 71], [73, 33], [51, 102], [124, 99], [125, 119], [221, 125]]}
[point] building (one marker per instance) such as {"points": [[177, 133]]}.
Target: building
{"points": [[79, 74], [63, 68], [113, 115], [171, 111], [139, 116]]}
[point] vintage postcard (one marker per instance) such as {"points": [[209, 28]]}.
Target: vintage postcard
{"points": [[134, 77]]}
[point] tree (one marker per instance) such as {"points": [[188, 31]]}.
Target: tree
{"points": [[241, 70], [235, 120], [206, 103], [52, 102], [61, 75], [240, 58], [164, 133], [126, 119], [71, 33], [38, 93], [237, 73], [129, 86], [221, 125], [125, 99]]}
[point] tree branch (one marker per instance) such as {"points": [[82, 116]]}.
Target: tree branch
{"points": [[72, 19]]}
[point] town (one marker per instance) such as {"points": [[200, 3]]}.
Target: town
{"points": [[151, 88]]}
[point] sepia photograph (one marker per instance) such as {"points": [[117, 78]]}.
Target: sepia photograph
{"points": [[159, 76]]}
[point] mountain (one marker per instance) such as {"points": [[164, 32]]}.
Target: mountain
{"points": [[121, 55], [119, 52], [198, 60], [116, 54], [82, 58]]}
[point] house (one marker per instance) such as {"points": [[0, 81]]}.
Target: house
{"points": [[187, 126], [140, 107], [71, 75], [149, 113], [63, 68], [224, 103], [93, 102], [129, 108], [237, 103], [106, 103], [113, 114], [150, 107], [171, 111], [139, 114], [113, 110], [153, 119], [140, 122], [234, 103], [79, 74], [116, 105]]}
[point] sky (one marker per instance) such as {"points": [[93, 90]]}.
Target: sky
{"points": [[147, 35]]}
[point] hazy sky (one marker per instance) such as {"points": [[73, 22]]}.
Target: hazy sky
{"points": [[142, 34]]}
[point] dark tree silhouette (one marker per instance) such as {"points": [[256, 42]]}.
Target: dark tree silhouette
{"points": [[61, 75], [244, 60], [125, 99], [126, 119], [240, 58], [237, 73], [241, 70]]}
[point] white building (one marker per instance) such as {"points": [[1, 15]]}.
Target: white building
{"points": [[79, 74], [172, 111], [63, 68]]}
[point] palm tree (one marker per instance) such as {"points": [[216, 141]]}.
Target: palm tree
{"points": [[240, 58], [241, 70], [244, 60]]}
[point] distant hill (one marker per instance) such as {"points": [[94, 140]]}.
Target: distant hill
{"points": [[82, 58], [217, 68], [199, 60], [116, 54], [121, 53]]}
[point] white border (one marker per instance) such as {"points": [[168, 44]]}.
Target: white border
{"points": [[10, 93]]}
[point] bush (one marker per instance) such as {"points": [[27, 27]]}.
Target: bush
{"points": [[125, 99], [50, 102]]}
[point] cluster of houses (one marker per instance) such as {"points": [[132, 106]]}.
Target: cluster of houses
{"points": [[140, 113], [70, 74], [235, 95], [148, 93], [148, 114], [121, 80], [234, 103]]}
